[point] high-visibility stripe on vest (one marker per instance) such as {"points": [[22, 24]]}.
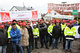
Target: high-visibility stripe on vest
{"points": [[70, 32], [63, 26], [18, 26], [9, 29], [50, 28], [35, 31]]}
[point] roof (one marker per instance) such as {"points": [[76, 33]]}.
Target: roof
{"points": [[21, 8]]}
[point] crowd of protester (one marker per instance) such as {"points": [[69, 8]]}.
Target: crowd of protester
{"points": [[16, 36]]}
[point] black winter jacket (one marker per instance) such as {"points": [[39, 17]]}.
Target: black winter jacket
{"points": [[56, 33], [3, 38], [43, 29], [31, 37]]}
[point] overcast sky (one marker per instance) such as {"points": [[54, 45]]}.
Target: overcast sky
{"points": [[40, 5]]}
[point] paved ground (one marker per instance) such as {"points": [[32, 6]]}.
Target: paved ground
{"points": [[76, 44]]}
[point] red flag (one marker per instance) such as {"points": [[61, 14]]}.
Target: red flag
{"points": [[5, 16], [34, 14]]}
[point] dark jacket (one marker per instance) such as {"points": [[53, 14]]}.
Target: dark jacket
{"points": [[3, 37], [79, 30], [56, 33], [43, 29], [31, 38], [79, 23]]}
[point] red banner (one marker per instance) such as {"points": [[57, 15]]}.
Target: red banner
{"points": [[5, 16], [34, 14]]}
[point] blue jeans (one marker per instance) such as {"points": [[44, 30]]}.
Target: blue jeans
{"points": [[3, 49], [28, 49], [55, 42], [15, 45], [67, 44]]}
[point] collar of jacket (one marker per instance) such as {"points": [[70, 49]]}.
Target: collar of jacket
{"points": [[14, 29], [70, 26]]}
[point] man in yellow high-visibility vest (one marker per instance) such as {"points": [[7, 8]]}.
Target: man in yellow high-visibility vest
{"points": [[50, 28], [69, 32], [63, 25], [36, 35], [14, 21]]}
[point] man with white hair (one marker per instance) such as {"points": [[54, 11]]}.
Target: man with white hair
{"points": [[36, 35]]}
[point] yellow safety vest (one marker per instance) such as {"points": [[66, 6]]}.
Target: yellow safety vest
{"points": [[9, 29], [35, 31], [70, 32], [77, 22], [50, 28], [63, 26]]}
